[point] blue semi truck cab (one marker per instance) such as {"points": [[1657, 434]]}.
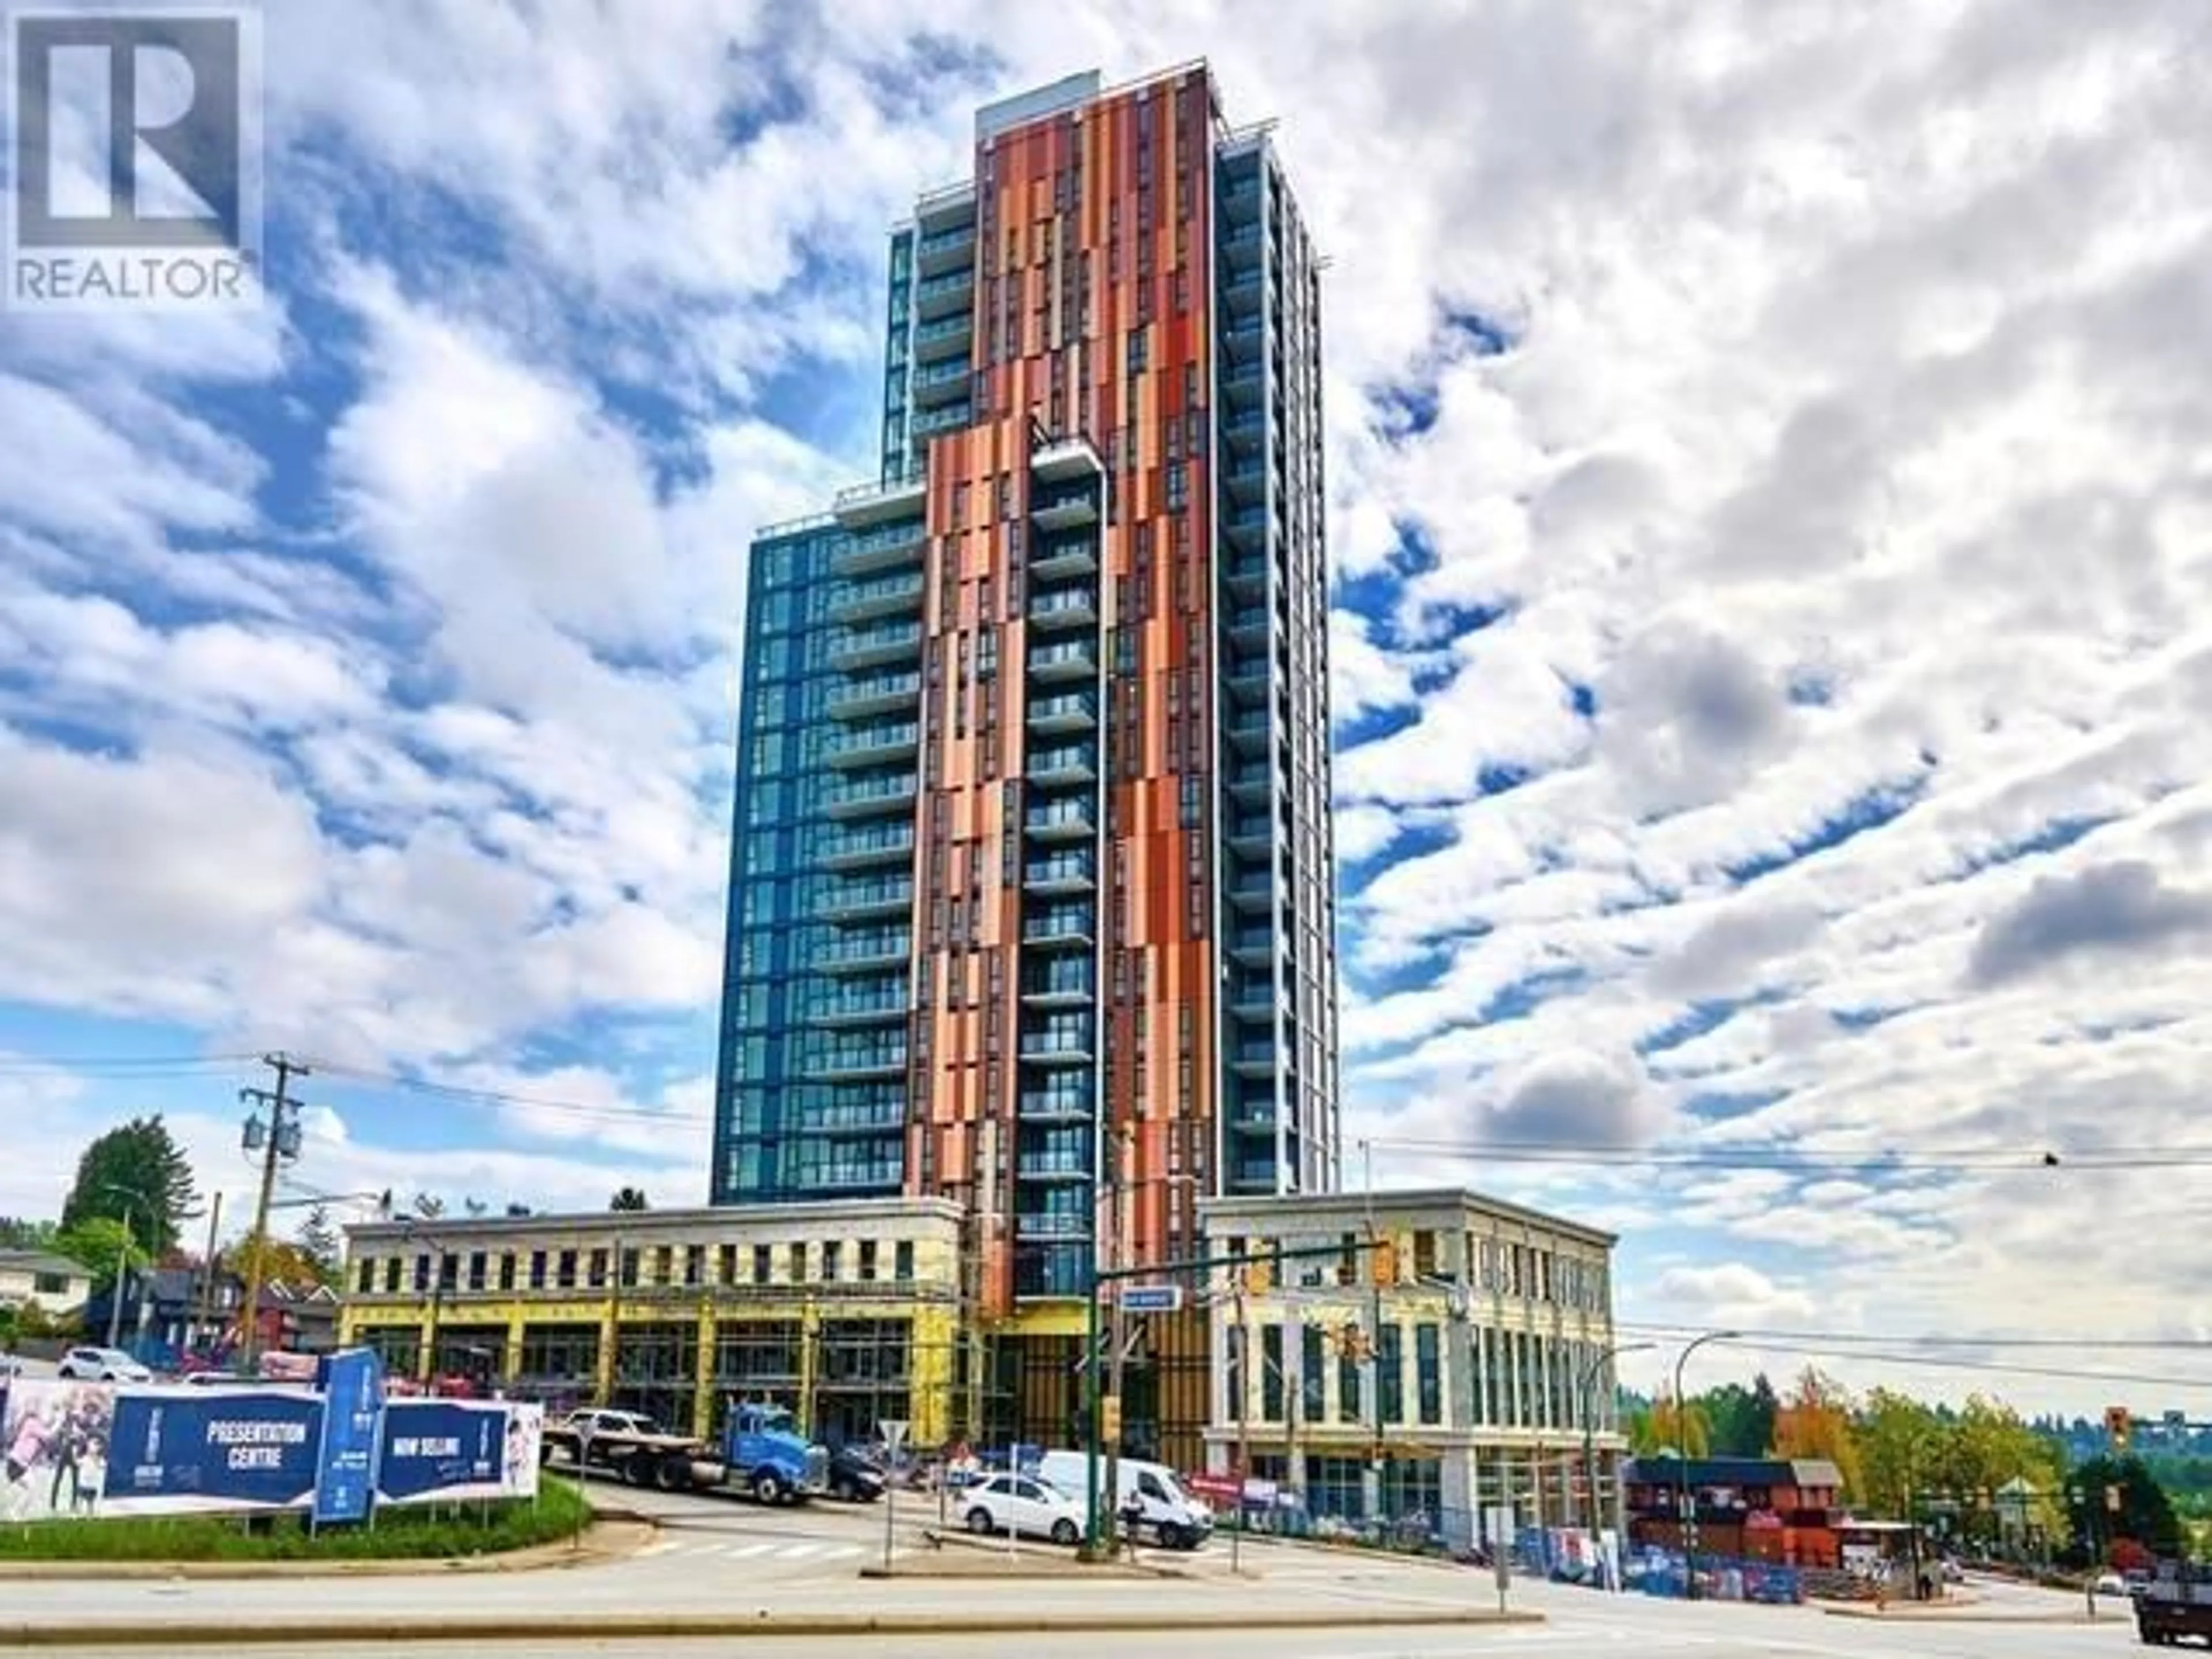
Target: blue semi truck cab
{"points": [[764, 1456]]}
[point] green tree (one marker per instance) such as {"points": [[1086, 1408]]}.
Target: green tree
{"points": [[1902, 1452], [2145, 1512], [319, 1243], [16, 1234], [139, 1168], [100, 1243], [629, 1198], [1742, 1419]]}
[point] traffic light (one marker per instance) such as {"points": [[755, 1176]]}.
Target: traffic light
{"points": [[1384, 1260], [2118, 1424]]}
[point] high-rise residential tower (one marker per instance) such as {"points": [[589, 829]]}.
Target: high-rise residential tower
{"points": [[1032, 879]]}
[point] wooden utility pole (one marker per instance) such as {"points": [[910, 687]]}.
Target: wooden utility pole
{"points": [[282, 1114]]}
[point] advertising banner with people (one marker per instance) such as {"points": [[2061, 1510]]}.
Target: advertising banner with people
{"points": [[54, 1439], [451, 1450]]}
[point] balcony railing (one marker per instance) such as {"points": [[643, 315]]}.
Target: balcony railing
{"points": [[875, 950], [1065, 927], [1070, 763], [877, 693], [1050, 1165], [851, 898], [1052, 1225], [1060, 820], [1070, 1105], [933, 374], [1065, 870], [883, 593], [943, 420], [1068, 658], [871, 742], [1068, 980], [1056, 603], [869, 795], [1069, 708], [867, 1007], [857, 646], [869, 846]]}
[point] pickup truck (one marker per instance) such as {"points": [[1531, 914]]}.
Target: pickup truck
{"points": [[2176, 1602], [761, 1454]]}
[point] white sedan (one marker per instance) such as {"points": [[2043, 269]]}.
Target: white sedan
{"points": [[1024, 1505], [101, 1365]]}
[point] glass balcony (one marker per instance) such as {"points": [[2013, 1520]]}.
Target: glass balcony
{"points": [[880, 645], [1246, 433], [871, 745], [849, 901], [1063, 983], [860, 953], [1248, 832], [890, 843], [1248, 625], [1252, 995], [1249, 731], [1250, 1057], [1247, 481], [1064, 509], [1070, 711], [1066, 820], [1065, 556], [1063, 607], [1253, 892], [1241, 385], [947, 336], [859, 1008], [1063, 872], [937, 383], [882, 596], [1068, 928], [1248, 778], [853, 1120], [929, 424], [861, 507], [1051, 1224], [1066, 660], [841, 1057], [943, 249], [878, 550], [1064, 1040], [1243, 527], [1241, 340], [876, 693], [1052, 1271], [886, 1173], [860, 797], [1053, 1166], [1253, 945], [1056, 1105], [934, 297], [1062, 767]]}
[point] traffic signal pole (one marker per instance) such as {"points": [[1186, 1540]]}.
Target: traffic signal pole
{"points": [[1098, 1512]]}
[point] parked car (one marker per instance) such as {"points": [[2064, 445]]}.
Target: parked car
{"points": [[101, 1365], [2110, 1583], [1022, 1505]]}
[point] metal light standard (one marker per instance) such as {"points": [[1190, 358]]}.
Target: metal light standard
{"points": [[131, 1199], [413, 1231], [1687, 1512], [1585, 1392]]}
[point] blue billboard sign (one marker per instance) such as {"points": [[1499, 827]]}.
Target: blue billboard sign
{"points": [[443, 1449], [177, 1451], [353, 1424]]}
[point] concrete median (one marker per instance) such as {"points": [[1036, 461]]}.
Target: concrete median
{"points": [[305, 1633]]}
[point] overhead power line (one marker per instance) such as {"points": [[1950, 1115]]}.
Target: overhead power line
{"points": [[1786, 1160], [2157, 1344], [1955, 1363], [467, 1095]]}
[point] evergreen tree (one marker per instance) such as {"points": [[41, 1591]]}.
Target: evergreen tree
{"points": [[138, 1168], [319, 1243]]}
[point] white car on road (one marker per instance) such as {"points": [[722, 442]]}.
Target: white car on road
{"points": [[1022, 1505], [101, 1365]]}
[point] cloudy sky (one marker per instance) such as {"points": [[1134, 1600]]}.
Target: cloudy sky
{"points": [[1772, 534]]}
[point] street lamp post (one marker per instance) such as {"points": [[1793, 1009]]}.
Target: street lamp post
{"points": [[429, 1370], [1584, 1390], [131, 1200], [1687, 1512]]}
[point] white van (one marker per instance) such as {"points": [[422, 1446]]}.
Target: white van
{"points": [[1169, 1513]]}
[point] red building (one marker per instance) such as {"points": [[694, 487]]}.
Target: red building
{"points": [[1783, 1510]]}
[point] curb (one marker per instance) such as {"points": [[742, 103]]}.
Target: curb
{"points": [[305, 1634], [1874, 1615], [604, 1541]]}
